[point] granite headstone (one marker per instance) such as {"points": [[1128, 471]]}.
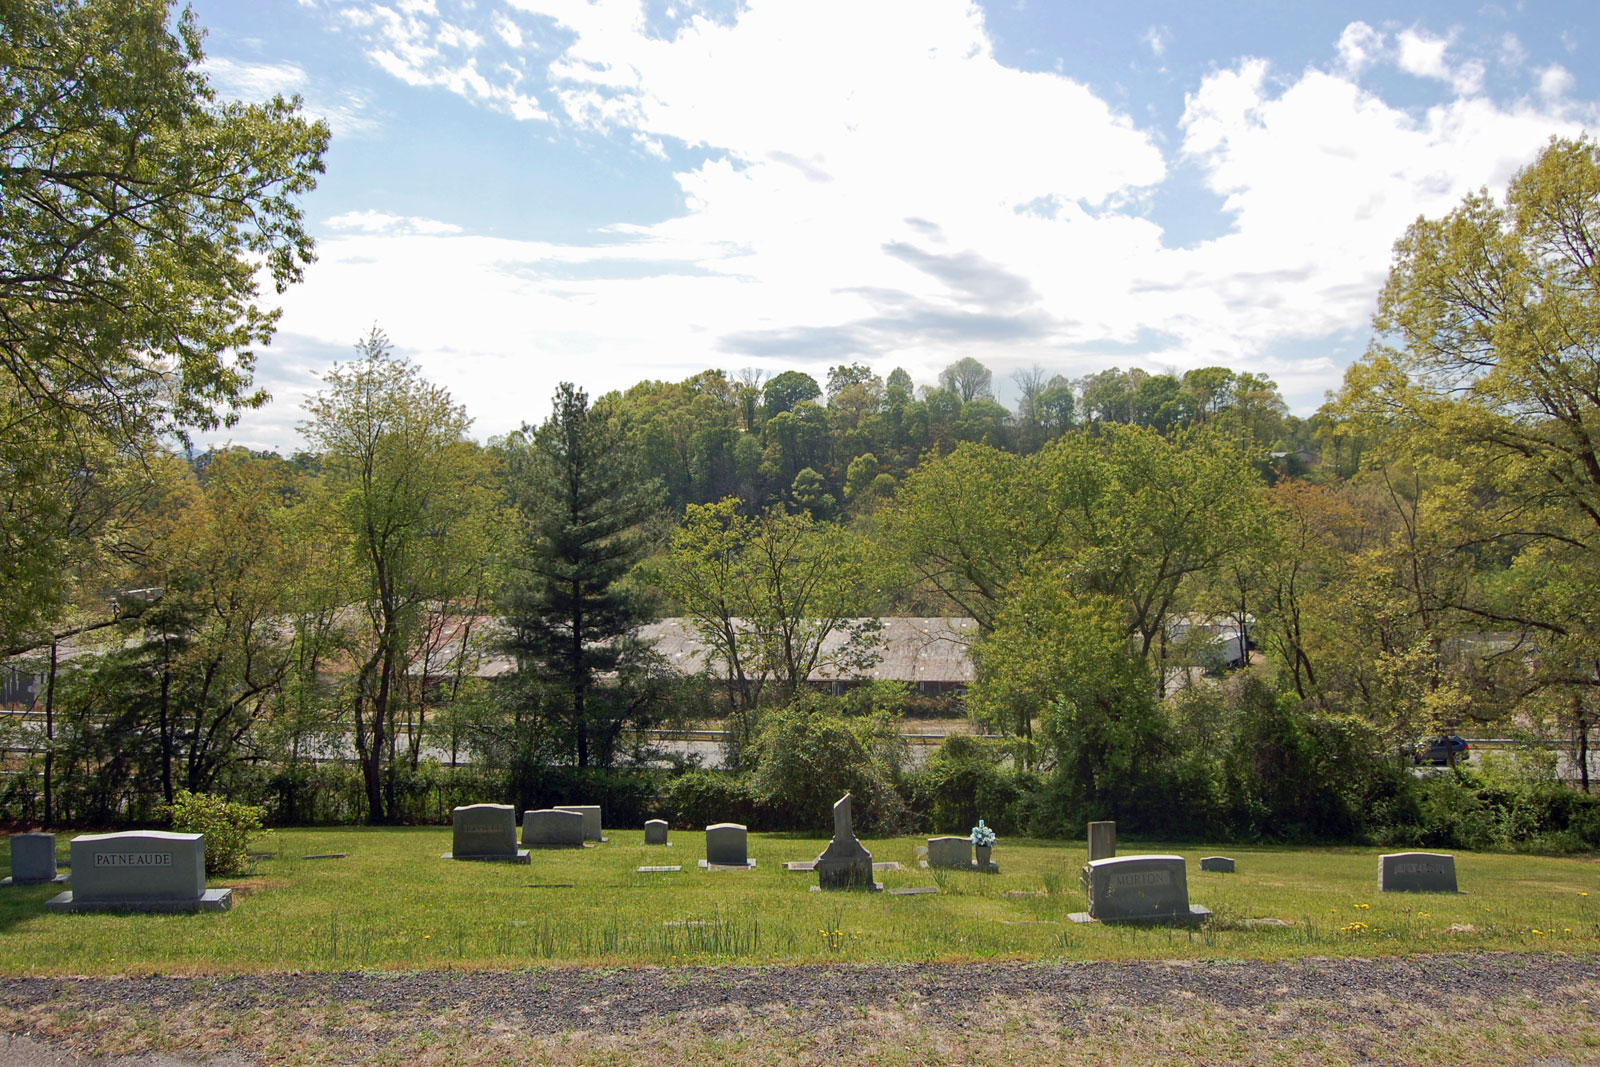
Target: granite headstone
{"points": [[552, 828], [844, 864], [1417, 872], [140, 870], [1139, 889]]}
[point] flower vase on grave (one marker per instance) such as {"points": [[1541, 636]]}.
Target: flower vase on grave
{"points": [[982, 852]]}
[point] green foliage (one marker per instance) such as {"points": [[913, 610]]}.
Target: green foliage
{"points": [[228, 827], [702, 798], [968, 778], [582, 502], [806, 759]]}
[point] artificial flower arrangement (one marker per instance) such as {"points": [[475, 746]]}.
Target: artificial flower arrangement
{"points": [[982, 836]]}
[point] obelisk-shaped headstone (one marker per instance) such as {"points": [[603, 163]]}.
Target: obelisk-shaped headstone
{"points": [[844, 864]]}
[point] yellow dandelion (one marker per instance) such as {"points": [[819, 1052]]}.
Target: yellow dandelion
{"points": [[1582, 894], [1423, 915], [1538, 931]]}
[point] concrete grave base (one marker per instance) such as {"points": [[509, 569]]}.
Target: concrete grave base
{"points": [[60, 879], [210, 900], [747, 865], [991, 868], [915, 891], [875, 887], [521, 857], [802, 866], [1197, 915]]}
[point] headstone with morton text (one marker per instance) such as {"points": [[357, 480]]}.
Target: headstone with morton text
{"points": [[1152, 889], [845, 863], [552, 828], [33, 860], [140, 870], [1417, 872], [485, 832]]}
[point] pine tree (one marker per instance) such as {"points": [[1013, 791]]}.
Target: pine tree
{"points": [[583, 500]]}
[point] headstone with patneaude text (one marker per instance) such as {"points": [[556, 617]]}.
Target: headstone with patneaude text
{"points": [[140, 870]]}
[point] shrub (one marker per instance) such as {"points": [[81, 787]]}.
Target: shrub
{"points": [[701, 798], [228, 827], [806, 759], [967, 779]]}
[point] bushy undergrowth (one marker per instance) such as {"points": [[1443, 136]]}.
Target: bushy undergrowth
{"points": [[229, 827]]}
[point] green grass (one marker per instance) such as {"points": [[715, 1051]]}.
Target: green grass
{"points": [[393, 904]]}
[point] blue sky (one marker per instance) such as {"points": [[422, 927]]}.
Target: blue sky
{"points": [[521, 192]]}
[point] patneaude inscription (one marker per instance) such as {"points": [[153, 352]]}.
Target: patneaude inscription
{"points": [[133, 859]]}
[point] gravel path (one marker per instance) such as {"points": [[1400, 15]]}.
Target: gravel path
{"points": [[808, 998]]}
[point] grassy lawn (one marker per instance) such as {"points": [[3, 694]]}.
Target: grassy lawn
{"points": [[394, 904]]}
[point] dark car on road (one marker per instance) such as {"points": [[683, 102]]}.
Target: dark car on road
{"points": [[1438, 750]]}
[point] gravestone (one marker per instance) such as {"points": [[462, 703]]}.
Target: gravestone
{"points": [[1102, 840], [1417, 872], [33, 860], [1221, 864], [844, 864], [140, 870], [1152, 889], [552, 828], [950, 852], [486, 832], [727, 845], [591, 819], [655, 832]]}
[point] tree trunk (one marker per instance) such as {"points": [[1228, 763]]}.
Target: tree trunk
{"points": [[166, 721], [49, 741]]}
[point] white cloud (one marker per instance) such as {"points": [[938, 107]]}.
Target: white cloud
{"points": [[873, 184], [378, 222], [1156, 39], [1359, 46], [256, 82], [253, 81], [1321, 178], [1426, 56], [1555, 81]]}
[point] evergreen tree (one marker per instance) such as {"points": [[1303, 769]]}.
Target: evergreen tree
{"points": [[577, 483]]}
